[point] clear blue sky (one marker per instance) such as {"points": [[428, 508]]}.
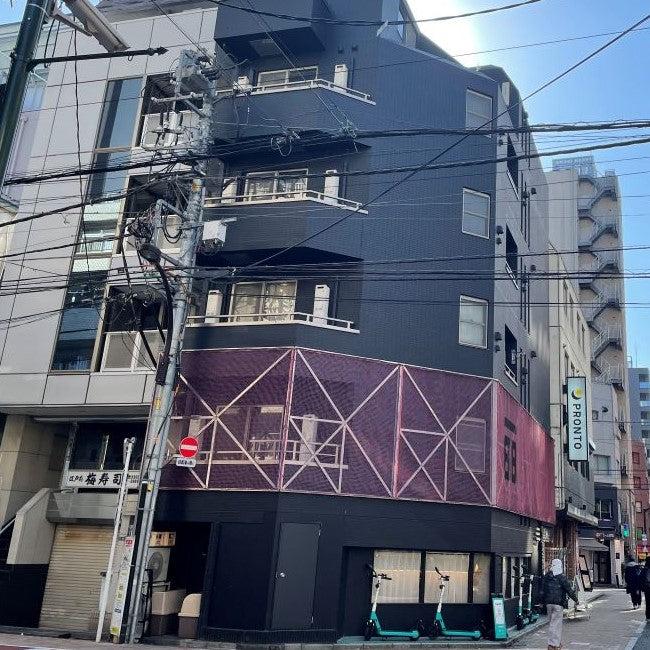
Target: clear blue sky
{"points": [[612, 86]]}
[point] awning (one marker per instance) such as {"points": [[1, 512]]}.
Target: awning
{"points": [[591, 544]]}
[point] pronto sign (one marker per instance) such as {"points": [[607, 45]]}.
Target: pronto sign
{"points": [[577, 418]]}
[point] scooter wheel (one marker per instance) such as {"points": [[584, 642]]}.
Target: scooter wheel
{"points": [[369, 631], [483, 628], [435, 630], [520, 622]]}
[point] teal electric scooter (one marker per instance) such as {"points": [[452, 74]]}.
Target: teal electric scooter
{"points": [[373, 627], [522, 618], [438, 627], [530, 613]]}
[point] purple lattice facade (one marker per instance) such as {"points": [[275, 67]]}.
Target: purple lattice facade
{"points": [[298, 420]]}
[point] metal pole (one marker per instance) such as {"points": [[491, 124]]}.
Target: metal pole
{"points": [[128, 447], [36, 13], [158, 426]]}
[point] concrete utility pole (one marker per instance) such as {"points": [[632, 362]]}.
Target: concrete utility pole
{"points": [[189, 68]]}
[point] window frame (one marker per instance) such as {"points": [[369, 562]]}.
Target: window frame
{"points": [[262, 297], [480, 95], [287, 72], [476, 301], [473, 422], [482, 195], [275, 194]]}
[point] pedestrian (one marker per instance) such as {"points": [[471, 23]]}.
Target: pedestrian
{"points": [[633, 581], [645, 586], [554, 592]]}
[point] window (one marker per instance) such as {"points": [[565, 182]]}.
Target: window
{"points": [[473, 317], [645, 433], [79, 321], [513, 166], [470, 442], [511, 365], [636, 459], [601, 463], [481, 578], [637, 481], [128, 311], [512, 256], [284, 77], [456, 566], [99, 445], [119, 113], [266, 186], [565, 298], [604, 508], [594, 415], [637, 506], [476, 214], [263, 301], [403, 567], [478, 110]]}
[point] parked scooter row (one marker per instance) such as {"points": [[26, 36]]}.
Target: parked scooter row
{"points": [[526, 615], [438, 627]]}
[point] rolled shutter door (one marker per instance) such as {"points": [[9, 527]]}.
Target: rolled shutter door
{"points": [[72, 590]]}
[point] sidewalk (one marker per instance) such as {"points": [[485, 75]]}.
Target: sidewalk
{"points": [[530, 637]]}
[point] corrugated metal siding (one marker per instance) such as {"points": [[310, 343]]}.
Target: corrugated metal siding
{"points": [[72, 590]]}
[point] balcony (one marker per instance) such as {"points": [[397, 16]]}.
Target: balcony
{"points": [[273, 319], [266, 222], [245, 36]]}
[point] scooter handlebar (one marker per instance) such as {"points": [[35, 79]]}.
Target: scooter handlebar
{"points": [[440, 574]]}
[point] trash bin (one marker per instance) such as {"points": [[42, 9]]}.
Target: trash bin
{"points": [[164, 607], [188, 617]]}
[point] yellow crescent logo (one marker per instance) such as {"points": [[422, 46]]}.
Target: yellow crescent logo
{"points": [[577, 393]]}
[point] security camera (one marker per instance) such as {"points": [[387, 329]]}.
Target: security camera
{"points": [[96, 25]]}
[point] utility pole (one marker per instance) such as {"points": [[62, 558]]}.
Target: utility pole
{"points": [[190, 69]]}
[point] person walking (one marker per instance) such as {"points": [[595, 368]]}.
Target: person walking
{"points": [[633, 581], [645, 586], [554, 593]]}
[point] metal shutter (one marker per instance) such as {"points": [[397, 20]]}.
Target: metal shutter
{"points": [[71, 599]]}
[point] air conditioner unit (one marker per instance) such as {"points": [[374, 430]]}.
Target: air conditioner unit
{"points": [[213, 306], [158, 563], [321, 304], [332, 184], [308, 432], [243, 84], [341, 75]]}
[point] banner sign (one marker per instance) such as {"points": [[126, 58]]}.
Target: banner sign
{"points": [[577, 418], [93, 478], [122, 585]]}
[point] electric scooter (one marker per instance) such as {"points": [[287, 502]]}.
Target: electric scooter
{"points": [[438, 627], [373, 627], [521, 617], [530, 613]]}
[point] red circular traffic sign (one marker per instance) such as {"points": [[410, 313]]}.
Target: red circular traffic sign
{"points": [[188, 447]]}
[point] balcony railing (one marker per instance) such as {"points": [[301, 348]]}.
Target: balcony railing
{"points": [[277, 197], [303, 84], [269, 450], [230, 320]]}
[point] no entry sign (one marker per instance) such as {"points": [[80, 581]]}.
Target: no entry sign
{"points": [[188, 447]]}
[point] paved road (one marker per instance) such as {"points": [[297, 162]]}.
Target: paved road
{"points": [[613, 625]]}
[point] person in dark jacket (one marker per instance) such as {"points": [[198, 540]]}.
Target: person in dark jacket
{"points": [[645, 586], [633, 582], [554, 590]]}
